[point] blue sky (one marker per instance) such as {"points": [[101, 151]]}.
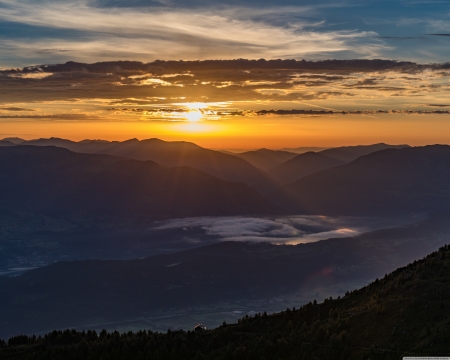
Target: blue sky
{"points": [[42, 32]]}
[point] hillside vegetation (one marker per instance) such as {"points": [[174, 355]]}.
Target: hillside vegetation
{"points": [[404, 314]]}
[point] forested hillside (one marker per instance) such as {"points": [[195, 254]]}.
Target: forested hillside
{"points": [[404, 314]]}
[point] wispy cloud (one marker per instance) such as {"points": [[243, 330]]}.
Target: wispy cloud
{"points": [[143, 33], [52, 117], [15, 109]]}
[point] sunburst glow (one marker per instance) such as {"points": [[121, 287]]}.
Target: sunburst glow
{"points": [[194, 115]]}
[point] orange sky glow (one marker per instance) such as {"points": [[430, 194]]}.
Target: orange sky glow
{"points": [[235, 104], [273, 132]]}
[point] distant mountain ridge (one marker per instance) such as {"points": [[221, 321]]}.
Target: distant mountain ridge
{"points": [[385, 182], [54, 179], [265, 158], [350, 153], [6, 143], [304, 149], [176, 153], [302, 165]]}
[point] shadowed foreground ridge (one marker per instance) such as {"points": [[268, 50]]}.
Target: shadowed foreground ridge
{"points": [[404, 314], [81, 293]]}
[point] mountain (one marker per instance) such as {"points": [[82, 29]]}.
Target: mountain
{"points": [[302, 165], [392, 181], [302, 150], [175, 153], [79, 293], [405, 313], [350, 153], [266, 159], [14, 140], [56, 180], [6, 143]]}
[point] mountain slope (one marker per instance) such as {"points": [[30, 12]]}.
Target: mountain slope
{"points": [[302, 150], [51, 179], [403, 314], [68, 294], [302, 165], [266, 159], [350, 153], [385, 182], [176, 153], [14, 140]]}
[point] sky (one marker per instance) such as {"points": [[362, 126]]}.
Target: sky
{"points": [[227, 104]]}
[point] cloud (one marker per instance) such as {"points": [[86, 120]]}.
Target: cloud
{"points": [[173, 33], [438, 105], [75, 117], [163, 90], [173, 114], [15, 109], [282, 230], [401, 37]]}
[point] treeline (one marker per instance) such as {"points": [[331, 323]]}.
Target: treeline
{"points": [[407, 313]]}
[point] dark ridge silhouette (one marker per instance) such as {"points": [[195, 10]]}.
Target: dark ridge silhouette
{"points": [[304, 149], [266, 159], [52, 179], [350, 153], [176, 153], [6, 143], [302, 165], [68, 294], [14, 140], [403, 314], [392, 181]]}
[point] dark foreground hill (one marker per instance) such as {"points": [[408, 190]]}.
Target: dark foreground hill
{"points": [[386, 182], [78, 293], [302, 165], [406, 313], [56, 180], [175, 153]]}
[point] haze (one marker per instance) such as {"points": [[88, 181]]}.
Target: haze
{"points": [[169, 164]]}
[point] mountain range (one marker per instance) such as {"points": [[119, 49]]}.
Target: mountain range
{"points": [[172, 154], [395, 180], [350, 153], [56, 180], [302, 165], [252, 167], [386, 182], [265, 158]]}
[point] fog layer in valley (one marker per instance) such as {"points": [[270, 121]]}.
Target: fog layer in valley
{"points": [[295, 229]]}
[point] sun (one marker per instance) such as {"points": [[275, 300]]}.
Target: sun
{"points": [[194, 115]]}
